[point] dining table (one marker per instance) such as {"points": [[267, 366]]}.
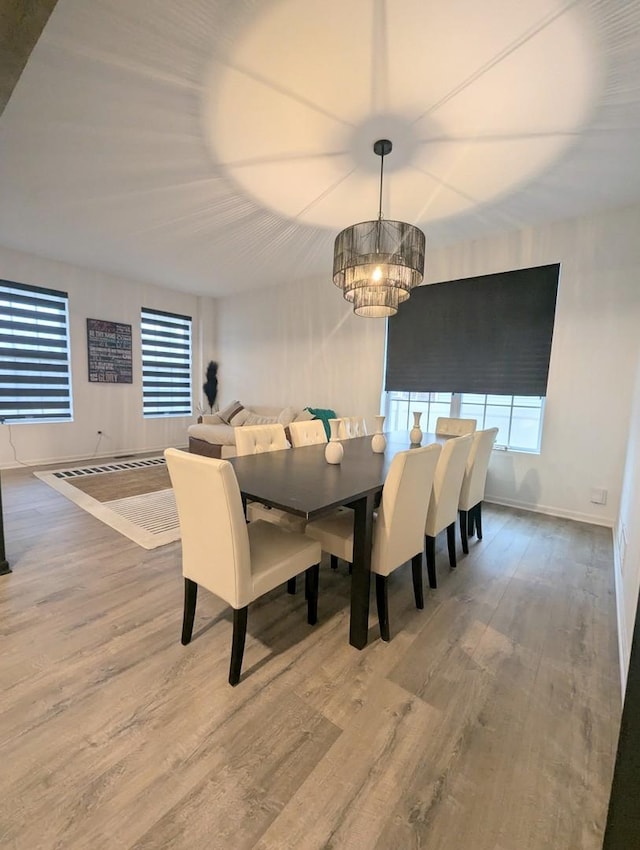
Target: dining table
{"points": [[301, 482]]}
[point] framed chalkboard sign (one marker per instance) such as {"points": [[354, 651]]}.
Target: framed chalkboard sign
{"points": [[109, 347]]}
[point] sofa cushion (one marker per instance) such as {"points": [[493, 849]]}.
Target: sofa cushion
{"points": [[304, 416], [222, 435]]}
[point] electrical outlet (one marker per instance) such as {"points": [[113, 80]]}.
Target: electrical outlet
{"points": [[598, 496]]}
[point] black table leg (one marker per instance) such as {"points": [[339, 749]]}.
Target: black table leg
{"points": [[361, 576], [4, 564]]}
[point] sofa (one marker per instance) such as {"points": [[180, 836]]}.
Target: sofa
{"points": [[214, 434]]}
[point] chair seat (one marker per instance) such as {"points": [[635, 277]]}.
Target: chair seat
{"points": [[276, 555], [334, 533], [283, 519]]}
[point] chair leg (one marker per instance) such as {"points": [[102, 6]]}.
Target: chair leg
{"points": [[416, 571], [382, 602], [350, 567], [237, 643], [451, 544], [190, 597], [311, 577], [334, 562], [291, 586], [464, 524], [430, 555], [478, 519], [471, 525]]}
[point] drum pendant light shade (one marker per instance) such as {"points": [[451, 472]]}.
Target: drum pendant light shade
{"points": [[378, 263]]}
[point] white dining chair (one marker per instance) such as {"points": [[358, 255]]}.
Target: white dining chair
{"points": [[344, 428], [313, 433], [235, 561], [398, 526], [307, 433], [448, 426], [352, 426], [443, 504], [473, 484], [256, 439]]}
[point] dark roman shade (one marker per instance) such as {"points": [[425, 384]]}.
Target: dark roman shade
{"points": [[489, 334]]}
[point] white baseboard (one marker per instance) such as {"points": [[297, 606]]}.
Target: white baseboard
{"points": [[551, 511], [84, 458], [623, 649]]}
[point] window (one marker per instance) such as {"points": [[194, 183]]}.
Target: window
{"points": [[166, 363], [35, 374], [476, 348], [518, 418]]}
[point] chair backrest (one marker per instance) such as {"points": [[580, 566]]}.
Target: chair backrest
{"points": [[455, 427], [358, 426], [307, 433], [399, 528], [443, 505], [352, 426], [213, 529], [344, 428], [254, 439], [475, 474]]}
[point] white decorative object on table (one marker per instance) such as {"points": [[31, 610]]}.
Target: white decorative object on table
{"points": [[334, 450], [379, 441], [415, 434]]}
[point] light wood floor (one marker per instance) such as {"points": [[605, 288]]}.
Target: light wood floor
{"points": [[489, 722]]}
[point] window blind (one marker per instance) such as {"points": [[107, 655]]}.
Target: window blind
{"points": [[166, 363], [35, 375], [489, 334]]}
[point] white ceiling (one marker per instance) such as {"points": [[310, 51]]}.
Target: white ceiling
{"points": [[220, 145]]}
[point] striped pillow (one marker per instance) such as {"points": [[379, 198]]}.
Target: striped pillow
{"points": [[231, 410]]}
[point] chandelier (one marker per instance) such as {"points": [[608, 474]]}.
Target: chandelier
{"points": [[378, 263]]}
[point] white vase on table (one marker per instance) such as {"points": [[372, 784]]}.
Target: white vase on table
{"points": [[415, 434], [379, 441], [334, 450]]}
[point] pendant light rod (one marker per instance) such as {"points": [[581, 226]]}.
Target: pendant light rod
{"points": [[382, 147]]}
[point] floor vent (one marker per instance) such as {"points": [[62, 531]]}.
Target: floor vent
{"points": [[109, 467]]}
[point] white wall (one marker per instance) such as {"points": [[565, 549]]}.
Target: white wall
{"points": [[115, 409], [299, 344], [627, 539]]}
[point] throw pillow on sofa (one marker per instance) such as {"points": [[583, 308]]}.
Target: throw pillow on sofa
{"points": [[285, 417], [227, 413], [257, 419]]}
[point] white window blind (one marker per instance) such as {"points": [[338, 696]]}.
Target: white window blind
{"points": [[166, 363], [35, 374]]}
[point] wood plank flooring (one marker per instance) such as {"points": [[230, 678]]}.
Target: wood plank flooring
{"points": [[489, 722]]}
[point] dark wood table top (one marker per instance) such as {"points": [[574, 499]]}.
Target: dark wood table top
{"points": [[302, 482]]}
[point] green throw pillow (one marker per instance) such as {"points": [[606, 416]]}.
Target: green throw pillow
{"points": [[325, 415]]}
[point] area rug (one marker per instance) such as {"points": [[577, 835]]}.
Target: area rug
{"points": [[133, 497]]}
